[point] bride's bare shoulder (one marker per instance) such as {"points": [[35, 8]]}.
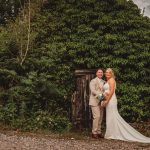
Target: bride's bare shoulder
{"points": [[112, 81]]}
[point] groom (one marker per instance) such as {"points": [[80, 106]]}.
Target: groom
{"points": [[96, 86]]}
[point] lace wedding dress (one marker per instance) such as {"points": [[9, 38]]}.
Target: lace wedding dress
{"points": [[117, 127]]}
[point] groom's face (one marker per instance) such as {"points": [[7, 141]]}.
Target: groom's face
{"points": [[99, 73]]}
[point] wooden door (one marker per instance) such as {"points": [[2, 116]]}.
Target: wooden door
{"points": [[81, 112]]}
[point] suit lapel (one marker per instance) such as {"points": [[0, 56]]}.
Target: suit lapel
{"points": [[97, 82]]}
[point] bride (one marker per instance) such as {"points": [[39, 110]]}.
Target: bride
{"points": [[116, 126]]}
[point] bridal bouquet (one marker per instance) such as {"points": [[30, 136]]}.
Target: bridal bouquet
{"points": [[100, 97]]}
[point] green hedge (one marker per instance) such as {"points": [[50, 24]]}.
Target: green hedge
{"points": [[69, 35]]}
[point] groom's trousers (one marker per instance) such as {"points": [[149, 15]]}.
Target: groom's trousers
{"points": [[97, 113]]}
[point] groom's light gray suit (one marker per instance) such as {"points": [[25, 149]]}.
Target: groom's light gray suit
{"points": [[97, 111]]}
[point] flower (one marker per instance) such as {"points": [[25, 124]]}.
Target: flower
{"points": [[100, 97]]}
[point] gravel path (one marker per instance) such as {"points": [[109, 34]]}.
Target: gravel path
{"points": [[28, 142]]}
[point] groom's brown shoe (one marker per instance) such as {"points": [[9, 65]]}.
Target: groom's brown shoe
{"points": [[95, 136], [100, 136]]}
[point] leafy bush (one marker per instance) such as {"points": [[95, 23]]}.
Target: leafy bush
{"points": [[35, 104], [68, 35]]}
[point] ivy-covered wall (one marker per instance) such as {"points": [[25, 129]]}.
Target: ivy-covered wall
{"points": [[68, 35]]}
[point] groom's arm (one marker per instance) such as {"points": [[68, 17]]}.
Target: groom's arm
{"points": [[92, 88]]}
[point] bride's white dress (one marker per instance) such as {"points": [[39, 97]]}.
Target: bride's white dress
{"points": [[117, 127]]}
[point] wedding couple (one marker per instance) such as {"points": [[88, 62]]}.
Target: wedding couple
{"points": [[116, 126]]}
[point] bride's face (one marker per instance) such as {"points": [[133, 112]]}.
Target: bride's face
{"points": [[108, 74]]}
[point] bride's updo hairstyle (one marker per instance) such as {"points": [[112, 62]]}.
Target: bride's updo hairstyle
{"points": [[111, 71]]}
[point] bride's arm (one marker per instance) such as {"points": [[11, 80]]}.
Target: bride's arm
{"points": [[111, 83]]}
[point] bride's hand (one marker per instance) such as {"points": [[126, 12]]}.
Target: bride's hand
{"points": [[106, 94], [104, 103]]}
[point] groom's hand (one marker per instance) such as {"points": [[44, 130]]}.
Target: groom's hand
{"points": [[103, 104]]}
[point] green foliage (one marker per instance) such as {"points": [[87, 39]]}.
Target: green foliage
{"points": [[91, 34], [9, 9], [36, 103], [8, 113], [133, 105], [8, 78], [71, 35]]}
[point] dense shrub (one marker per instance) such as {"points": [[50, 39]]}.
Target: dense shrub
{"points": [[69, 35]]}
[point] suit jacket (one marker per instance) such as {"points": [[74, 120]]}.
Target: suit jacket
{"points": [[95, 90]]}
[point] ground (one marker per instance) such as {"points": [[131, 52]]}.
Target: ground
{"points": [[12, 140]]}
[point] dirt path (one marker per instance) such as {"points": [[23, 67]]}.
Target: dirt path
{"points": [[16, 141]]}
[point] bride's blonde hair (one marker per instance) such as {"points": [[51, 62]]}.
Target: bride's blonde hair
{"points": [[112, 72]]}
